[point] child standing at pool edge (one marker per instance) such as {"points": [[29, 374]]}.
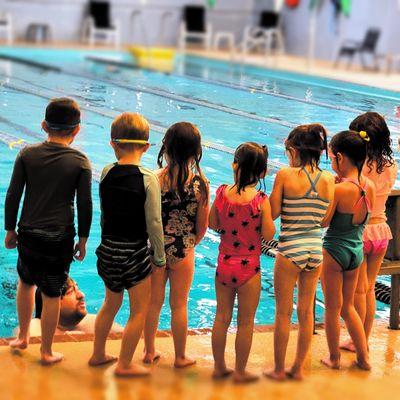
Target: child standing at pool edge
{"points": [[243, 216], [185, 208], [51, 173], [343, 246], [381, 169], [301, 195], [131, 214]]}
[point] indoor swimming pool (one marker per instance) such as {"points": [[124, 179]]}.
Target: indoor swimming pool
{"points": [[230, 103]]}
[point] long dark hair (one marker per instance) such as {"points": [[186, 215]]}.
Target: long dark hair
{"points": [[181, 147], [251, 159], [379, 148], [352, 145], [310, 141]]}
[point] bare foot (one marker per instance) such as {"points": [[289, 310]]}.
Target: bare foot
{"points": [[348, 345], [183, 362], [105, 359], [295, 374], [49, 359], [150, 358], [244, 377], [276, 376], [221, 373], [364, 365], [134, 370], [333, 364], [19, 344]]}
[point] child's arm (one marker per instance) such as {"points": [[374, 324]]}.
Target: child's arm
{"points": [[276, 196], [152, 209], [337, 193], [203, 211], [13, 198], [85, 209], [372, 193], [330, 196], [267, 223], [213, 220]]}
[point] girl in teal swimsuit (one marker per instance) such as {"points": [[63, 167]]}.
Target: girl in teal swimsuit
{"points": [[343, 245]]}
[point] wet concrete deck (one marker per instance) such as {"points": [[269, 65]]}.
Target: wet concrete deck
{"points": [[22, 377]]}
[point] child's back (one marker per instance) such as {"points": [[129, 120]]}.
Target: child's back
{"points": [[53, 173], [239, 221], [384, 182], [179, 216], [305, 201]]}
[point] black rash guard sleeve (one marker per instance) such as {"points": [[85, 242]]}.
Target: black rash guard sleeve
{"points": [[84, 202], [14, 194]]}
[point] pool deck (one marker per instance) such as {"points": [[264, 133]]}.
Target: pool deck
{"points": [[22, 376]]}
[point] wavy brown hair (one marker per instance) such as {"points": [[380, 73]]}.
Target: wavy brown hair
{"points": [[182, 151], [379, 148]]}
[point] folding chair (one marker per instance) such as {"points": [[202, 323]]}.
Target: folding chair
{"points": [[194, 27], [98, 26], [350, 48]]}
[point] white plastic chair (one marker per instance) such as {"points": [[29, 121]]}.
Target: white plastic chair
{"points": [[97, 27], [267, 34], [6, 26], [194, 26]]}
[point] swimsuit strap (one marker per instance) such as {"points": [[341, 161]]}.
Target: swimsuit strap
{"points": [[313, 183], [363, 197]]}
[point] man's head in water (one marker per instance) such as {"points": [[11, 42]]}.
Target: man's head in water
{"points": [[72, 305]]}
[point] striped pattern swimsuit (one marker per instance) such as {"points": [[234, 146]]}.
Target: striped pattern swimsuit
{"points": [[300, 239], [123, 265]]}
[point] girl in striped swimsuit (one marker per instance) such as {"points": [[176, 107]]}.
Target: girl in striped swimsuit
{"points": [[301, 195]]}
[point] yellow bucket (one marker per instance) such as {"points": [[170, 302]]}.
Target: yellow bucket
{"points": [[156, 58]]}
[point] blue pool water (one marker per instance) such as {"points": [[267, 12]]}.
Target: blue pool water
{"points": [[229, 103]]}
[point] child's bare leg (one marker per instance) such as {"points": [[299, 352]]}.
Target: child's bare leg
{"points": [[360, 300], [332, 282], [373, 267], [223, 317], [285, 277], [352, 319], [49, 322], [307, 287], [25, 305], [139, 298], [102, 327], [158, 281], [248, 299], [180, 278]]}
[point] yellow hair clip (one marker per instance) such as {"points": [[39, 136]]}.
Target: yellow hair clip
{"points": [[364, 135]]}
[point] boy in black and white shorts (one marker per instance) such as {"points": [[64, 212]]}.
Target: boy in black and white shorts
{"points": [[130, 216]]}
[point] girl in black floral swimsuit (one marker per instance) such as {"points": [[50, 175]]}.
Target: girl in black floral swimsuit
{"points": [[185, 208]]}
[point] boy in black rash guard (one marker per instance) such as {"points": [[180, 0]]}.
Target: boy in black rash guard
{"points": [[130, 216], [51, 174]]}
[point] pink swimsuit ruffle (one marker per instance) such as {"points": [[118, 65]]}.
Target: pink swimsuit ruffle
{"points": [[377, 232]]}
